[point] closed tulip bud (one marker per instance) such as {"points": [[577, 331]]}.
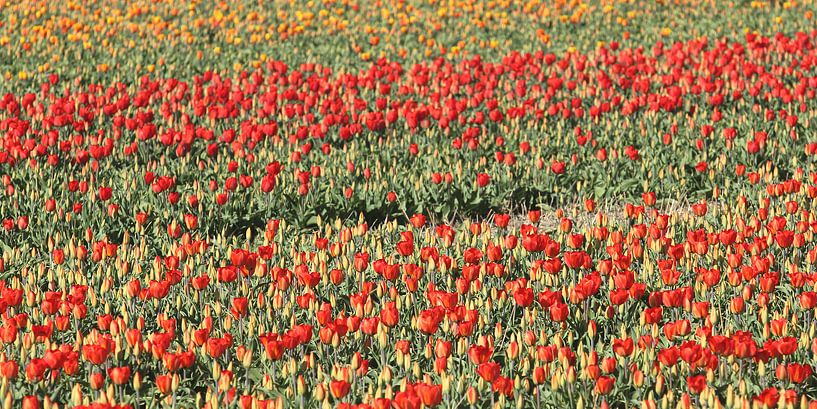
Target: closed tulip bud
{"points": [[31, 402], [685, 401], [320, 393], [240, 352], [780, 372], [571, 374], [513, 350], [446, 383], [659, 384], [96, 381], [638, 378], [736, 306], [246, 361], [471, 395], [539, 375], [386, 374], [648, 404], [355, 361], [555, 382], [300, 385], [382, 337], [215, 371], [781, 402], [76, 395], [440, 364], [137, 381]]}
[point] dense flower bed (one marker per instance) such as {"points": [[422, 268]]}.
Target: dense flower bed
{"points": [[591, 219]]}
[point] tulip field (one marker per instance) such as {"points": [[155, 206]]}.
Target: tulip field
{"points": [[408, 204]]}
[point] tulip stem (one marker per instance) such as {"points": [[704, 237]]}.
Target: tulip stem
{"points": [[740, 368], [586, 307], [247, 380], [626, 370]]}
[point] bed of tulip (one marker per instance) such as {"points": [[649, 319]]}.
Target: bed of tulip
{"points": [[408, 204]]}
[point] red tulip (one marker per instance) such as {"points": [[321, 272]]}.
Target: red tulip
{"points": [[798, 372], [429, 321], [31, 402], [696, 384], [503, 385], [483, 180], [9, 369], [623, 347], [95, 354], [502, 220], [523, 297], [405, 248], [489, 371], [96, 380], [430, 395], [389, 315], [558, 312], [408, 399], [163, 383], [604, 384], [339, 389], [479, 354], [418, 221], [240, 307]]}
